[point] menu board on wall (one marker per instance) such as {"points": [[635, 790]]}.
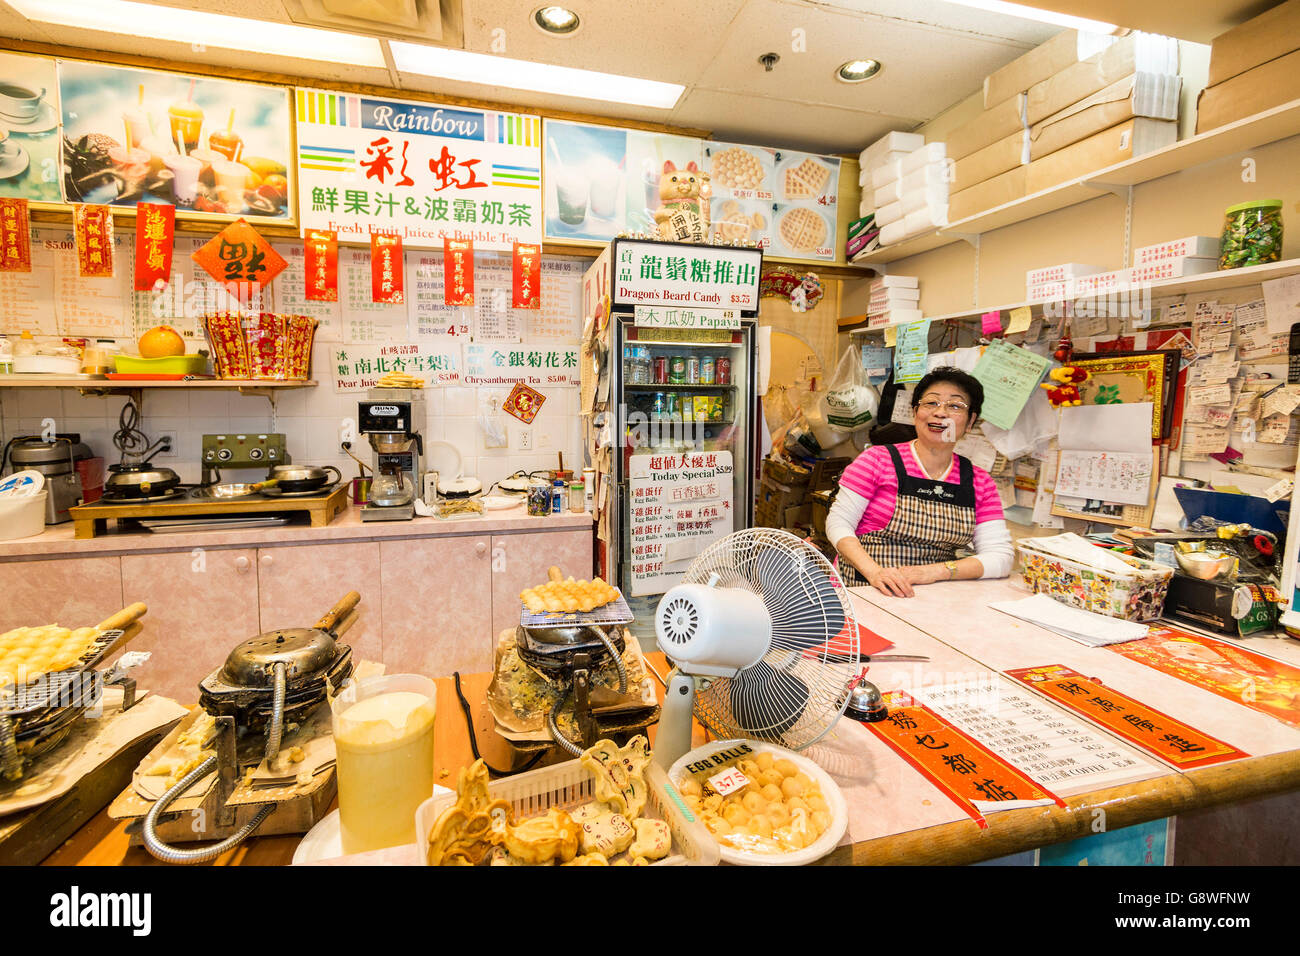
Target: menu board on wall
{"points": [[128, 129], [29, 155], [679, 503], [420, 170], [602, 180], [784, 200], [535, 365], [356, 368]]}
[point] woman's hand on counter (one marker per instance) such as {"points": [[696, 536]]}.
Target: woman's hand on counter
{"points": [[925, 573], [893, 581]]}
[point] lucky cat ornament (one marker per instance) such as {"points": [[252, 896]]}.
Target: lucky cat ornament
{"points": [[683, 212]]}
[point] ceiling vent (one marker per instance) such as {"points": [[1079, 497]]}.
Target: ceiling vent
{"points": [[419, 21]]}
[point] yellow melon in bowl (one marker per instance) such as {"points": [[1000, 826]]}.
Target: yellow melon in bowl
{"points": [[162, 341]]}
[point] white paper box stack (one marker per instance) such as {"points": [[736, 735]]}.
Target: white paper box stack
{"points": [[893, 300], [1173, 268], [1053, 282], [1195, 246]]}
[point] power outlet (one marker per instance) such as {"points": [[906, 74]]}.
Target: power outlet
{"points": [[544, 440], [524, 439], [168, 448]]}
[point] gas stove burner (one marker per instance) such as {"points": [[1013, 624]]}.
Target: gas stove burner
{"points": [[554, 648], [108, 498]]}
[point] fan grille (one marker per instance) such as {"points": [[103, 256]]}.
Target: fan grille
{"points": [[799, 690]]}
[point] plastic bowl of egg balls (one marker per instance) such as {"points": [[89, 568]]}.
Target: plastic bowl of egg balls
{"points": [[789, 812]]}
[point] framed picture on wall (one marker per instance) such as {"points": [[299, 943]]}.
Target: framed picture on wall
{"points": [[1138, 376]]}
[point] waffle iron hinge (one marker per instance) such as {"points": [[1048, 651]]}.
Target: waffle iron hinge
{"points": [[227, 770], [588, 730]]}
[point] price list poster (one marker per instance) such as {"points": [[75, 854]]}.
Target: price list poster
{"points": [[680, 503]]}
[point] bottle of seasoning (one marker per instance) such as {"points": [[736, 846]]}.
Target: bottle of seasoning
{"points": [[557, 496], [577, 495]]}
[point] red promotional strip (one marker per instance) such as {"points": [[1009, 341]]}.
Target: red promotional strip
{"points": [[92, 228], [1233, 673], [1152, 730], [15, 236], [386, 271], [960, 766], [155, 229], [526, 287], [458, 263], [321, 265]]}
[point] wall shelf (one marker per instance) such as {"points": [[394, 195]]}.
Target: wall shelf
{"points": [[125, 385], [1261, 129], [1163, 288]]}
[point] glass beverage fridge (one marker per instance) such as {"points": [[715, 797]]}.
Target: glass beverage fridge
{"points": [[682, 410]]}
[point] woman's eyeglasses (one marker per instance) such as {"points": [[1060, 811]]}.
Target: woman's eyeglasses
{"points": [[955, 407]]}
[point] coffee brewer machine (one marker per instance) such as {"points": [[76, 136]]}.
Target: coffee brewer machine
{"points": [[390, 418]]}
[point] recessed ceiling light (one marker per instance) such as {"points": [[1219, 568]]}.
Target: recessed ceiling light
{"points": [[1042, 16], [489, 70], [557, 21], [198, 28], [855, 71]]}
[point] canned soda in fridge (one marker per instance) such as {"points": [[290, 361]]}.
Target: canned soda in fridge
{"points": [[692, 370], [723, 372], [671, 405], [660, 405], [677, 370], [661, 370], [707, 370]]}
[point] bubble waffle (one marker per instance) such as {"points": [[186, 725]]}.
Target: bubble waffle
{"points": [[736, 168], [26, 653], [570, 595]]}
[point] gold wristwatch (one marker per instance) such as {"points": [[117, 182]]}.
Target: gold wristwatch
{"points": [[952, 569]]}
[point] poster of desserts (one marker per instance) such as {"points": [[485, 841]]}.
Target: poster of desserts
{"points": [[784, 200], [29, 129], [599, 181], [210, 147]]}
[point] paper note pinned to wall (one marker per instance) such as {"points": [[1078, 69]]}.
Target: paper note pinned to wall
{"points": [[1009, 375], [991, 323], [1019, 320], [912, 351]]}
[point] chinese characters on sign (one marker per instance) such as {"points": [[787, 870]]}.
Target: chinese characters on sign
{"points": [[526, 285], [650, 316], [531, 364], [964, 770], [356, 368], [667, 274], [1145, 727], [15, 236], [679, 504], [321, 266], [386, 269], [155, 226], [458, 261], [240, 258], [92, 227], [420, 171], [524, 402]]}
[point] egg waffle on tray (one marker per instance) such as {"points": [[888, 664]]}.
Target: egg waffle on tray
{"points": [[39, 665], [572, 602]]}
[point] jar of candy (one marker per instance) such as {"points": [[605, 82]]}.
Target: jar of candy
{"points": [[539, 497], [1252, 234]]}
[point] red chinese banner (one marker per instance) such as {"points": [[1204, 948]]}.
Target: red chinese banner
{"points": [[1253, 680], [155, 229], [321, 250], [960, 766], [524, 402], [458, 265], [386, 269], [15, 236], [92, 227], [1145, 727], [527, 285], [239, 257]]}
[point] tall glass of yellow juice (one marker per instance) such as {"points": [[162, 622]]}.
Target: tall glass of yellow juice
{"points": [[383, 733]]}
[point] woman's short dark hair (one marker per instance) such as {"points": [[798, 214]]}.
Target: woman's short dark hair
{"points": [[953, 376]]}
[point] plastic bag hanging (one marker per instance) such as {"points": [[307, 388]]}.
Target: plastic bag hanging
{"points": [[492, 421]]}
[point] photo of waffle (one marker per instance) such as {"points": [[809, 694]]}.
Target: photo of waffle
{"points": [[737, 168], [733, 224], [802, 230], [805, 179]]}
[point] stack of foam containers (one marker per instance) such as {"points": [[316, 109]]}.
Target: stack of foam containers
{"points": [[883, 154], [911, 193]]}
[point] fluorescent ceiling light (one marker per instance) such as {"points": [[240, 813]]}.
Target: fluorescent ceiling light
{"points": [[152, 21], [1042, 16], [538, 77]]}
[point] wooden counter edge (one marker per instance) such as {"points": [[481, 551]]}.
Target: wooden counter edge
{"points": [[1013, 831]]}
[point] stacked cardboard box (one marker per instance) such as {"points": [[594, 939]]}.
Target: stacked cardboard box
{"points": [[1095, 99], [1253, 67], [1055, 282], [1189, 256], [894, 300]]}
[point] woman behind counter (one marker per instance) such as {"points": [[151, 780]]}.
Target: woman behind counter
{"points": [[903, 511]]}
